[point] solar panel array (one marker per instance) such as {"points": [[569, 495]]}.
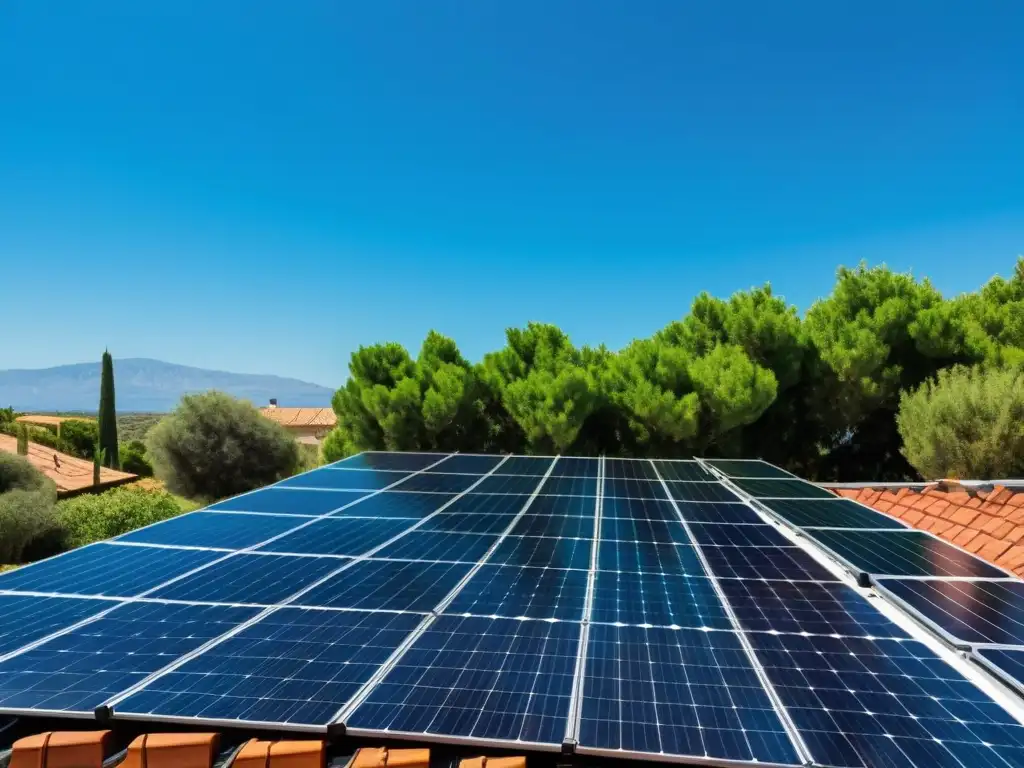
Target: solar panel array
{"points": [[635, 608]]}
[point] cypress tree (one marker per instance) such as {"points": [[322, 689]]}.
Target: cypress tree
{"points": [[108, 413]]}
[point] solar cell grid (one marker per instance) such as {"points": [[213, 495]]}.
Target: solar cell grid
{"points": [[966, 611], [830, 513], [818, 608], [339, 536], [403, 462], [481, 504], [657, 598], [764, 563], [554, 526], [27, 618], [295, 666], [259, 579], [678, 692], [639, 509], [210, 529], [902, 553], [687, 491], [541, 552], [788, 489], [106, 569], [629, 468], [394, 585], [1007, 663], [682, 470], [345, 479], [437, 483], [622, 529], [289, 501], [440, 546], [512, 592], [574, 466], [648, 557], [753, 468], [525, 465], [466, 464], [570, 486], [508, 484], [478, 678], [79, 670], [738, 535], [469, 522], [861, 703], [713, 512], [397, 504], [633, 488]]}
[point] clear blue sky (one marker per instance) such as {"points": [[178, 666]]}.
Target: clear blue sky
{"points": [[262, 187]]}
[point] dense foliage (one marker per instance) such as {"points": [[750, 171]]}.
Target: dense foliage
{"points": [[108, 414], [969, 423], [214, 446], [134, 460], [747, 376], [89, 518], [80, 437], [26, 508]]}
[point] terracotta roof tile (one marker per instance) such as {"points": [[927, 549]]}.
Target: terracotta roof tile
{"points": [[978, 542], [1017, 500], [965, 537], [993, 550], [921, 502], [913, 517], [963, 516], [1000, 495], [882, 505], [940, 527], [995, 527]]}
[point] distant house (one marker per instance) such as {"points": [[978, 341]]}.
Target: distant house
{"points": [[308, 425]]}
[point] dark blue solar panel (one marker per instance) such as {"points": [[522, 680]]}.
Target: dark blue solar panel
{"points": [[523, 485], [686, 491], [479, 678], [765, 563], [344, 479], [575, 466], [486, 504], [680, 692], [554, 526], [295, 666], [640, 509], [27, 619], [648, 557], [467, 464], [862, 703], [644, 530], [402, 462], [682, 470], [395, 504], [791, 488], [570, 486], [967, 611], [830, 513], [539, 593], [437, 483], [210, 529], [525, 465], [78, 671], [902, 553], [1006, 662], [630, 468], [541, 552], [576, 506], [439, 545], [389, 585], [289, 501], [747, 468], [634, 488], [106, 569], [339, 536], [260, 579], [829, 608], [738, 535], [712, 512], [469, 522], [657, 598]]}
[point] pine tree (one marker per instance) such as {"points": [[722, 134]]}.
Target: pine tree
{"points": [[108, 413]]}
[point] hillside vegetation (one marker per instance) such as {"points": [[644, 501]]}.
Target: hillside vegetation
{"points": [[745, 376]]}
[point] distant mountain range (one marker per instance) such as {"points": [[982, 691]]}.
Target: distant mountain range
{"points": [[146, 385]]}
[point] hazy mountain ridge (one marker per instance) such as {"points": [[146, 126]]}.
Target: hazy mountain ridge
{"points": [[146, 385]]}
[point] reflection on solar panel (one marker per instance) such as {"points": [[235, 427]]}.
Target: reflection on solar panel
{"points": [[1008, 663], [965, 611], [627, 608], [902, 553], [830, 513]]}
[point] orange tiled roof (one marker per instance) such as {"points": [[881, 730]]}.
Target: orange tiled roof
{"points": [[301, 417], [74, 474], [989, 523]]}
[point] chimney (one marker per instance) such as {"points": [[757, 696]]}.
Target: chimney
{"points": [[273, 402]]}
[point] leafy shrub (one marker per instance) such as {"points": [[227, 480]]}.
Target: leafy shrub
{"points": [[133, 459], [80, 437], [7, 415], [17, 473], [968, 423], [100, 516], [214, 446], [26, 507]]}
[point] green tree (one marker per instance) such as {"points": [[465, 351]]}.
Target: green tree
{"points": [[108, 413], [133, 458], [212, 446], [968, 423], [26, 508], [80, 437]]}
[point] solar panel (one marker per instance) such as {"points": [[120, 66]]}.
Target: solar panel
{"points": [[295, 666], [965, 612], [210, 529], [478, 678], [106, 569], [1007, 663], [901, 553], [289, 501], [678, 692], [571, 604], [860, 702], [752, 468], [785, 489], [830, 513]]}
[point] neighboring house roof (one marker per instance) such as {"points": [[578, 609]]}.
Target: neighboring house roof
{"points": [[985, 520], [74, 474], [50, 421], [301, 417]]}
